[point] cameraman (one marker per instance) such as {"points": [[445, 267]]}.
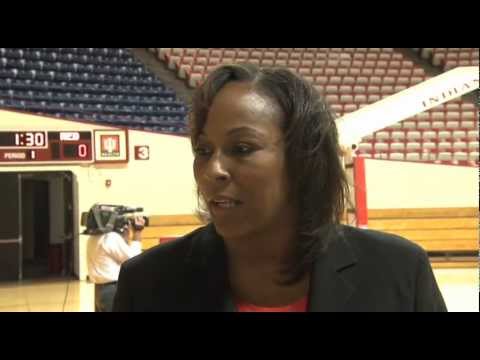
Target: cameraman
{"points": [[106, 253]]}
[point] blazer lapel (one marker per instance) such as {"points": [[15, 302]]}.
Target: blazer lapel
{"points": [[329, 290], [208, 263]]}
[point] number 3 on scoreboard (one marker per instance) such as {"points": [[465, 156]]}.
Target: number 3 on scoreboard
{"points": [[142, 152]]}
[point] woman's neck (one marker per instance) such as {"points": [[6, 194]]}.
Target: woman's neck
{"points": [[261, 286], [257, 264]]}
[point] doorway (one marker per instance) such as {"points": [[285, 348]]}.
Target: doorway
{"points": [[39, 212]]}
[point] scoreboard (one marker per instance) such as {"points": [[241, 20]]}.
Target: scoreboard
{"points": [[45, 147]]}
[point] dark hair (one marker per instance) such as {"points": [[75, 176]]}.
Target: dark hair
{"points": [[313, 160]]}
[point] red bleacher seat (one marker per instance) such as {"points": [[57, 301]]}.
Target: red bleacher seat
{"points": [[385, 56], [459, 146], [310, 79], [345, 89], [397, 146], [365, 147], [414, 135], [295, 55], [216, 53], [304, 70], [444, 156], [467, 125], [366, 72], [360, 99], [399, 88], [322, 80], [332, 98], [397, 156], [473, 146], [409, 125], [350, 108], [268, 63], [412, 156], [330, 71], [403, 81], [335, 80], [460, 155], [429, 135], [346, 99], [423, 125], [397, 56], [473, 134], [459, 135], [438, 125], [331, 89], [394, 127], [428, 145], [417, 72], [359, 89], [269, 55], [386, 89], [354, 71], [468, 115], [382, 135], [381, 147], [453, 125], [293, 63], [444, 135]]}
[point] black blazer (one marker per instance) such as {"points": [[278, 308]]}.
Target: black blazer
{"points": [[362, 270]]}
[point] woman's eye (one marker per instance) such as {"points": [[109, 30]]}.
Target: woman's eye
{"points": [[242, 149], [201, 151]]}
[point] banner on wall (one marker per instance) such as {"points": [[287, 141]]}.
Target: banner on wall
{"points": [[111, 146]]}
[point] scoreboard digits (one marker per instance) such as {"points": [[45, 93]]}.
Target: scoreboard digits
{"points": [[30, 147]]}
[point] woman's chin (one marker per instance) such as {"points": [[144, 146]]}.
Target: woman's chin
{"points": [[229, 230]]}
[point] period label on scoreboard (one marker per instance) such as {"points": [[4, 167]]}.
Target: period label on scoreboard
{"points": [[45, 147]]}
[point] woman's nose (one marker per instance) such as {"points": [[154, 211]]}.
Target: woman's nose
{"points": [[217, 168]]}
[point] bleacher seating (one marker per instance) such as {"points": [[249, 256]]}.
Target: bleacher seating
{"points": [[448, 58], [106, 85], [449, 235], [351, 78], [164, 228]]}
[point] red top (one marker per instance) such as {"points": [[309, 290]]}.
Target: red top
{"points": [[298, 306]]}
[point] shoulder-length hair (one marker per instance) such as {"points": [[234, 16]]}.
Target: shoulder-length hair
{"points": [[316, 173]]}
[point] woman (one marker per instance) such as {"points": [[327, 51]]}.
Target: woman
{"points": [[270, 179]]}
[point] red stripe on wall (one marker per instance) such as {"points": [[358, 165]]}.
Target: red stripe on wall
{"points": [[360, 192]]}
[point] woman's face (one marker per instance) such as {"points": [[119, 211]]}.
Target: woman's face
{"points": [[240, 164]]}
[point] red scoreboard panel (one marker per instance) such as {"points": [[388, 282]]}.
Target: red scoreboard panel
{"points": [[45, 147]]}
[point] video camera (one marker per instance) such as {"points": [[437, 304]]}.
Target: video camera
{"points": [[102, 219]]}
